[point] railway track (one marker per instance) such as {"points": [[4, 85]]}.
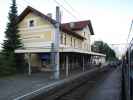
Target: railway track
{"points": [[77, 91]]}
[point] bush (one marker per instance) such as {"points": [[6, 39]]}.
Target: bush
{"points": [[7, 64]]}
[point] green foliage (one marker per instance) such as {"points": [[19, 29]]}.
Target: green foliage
{"points": [[7, 64], [101, 47], [12, 41], [9, 60]]}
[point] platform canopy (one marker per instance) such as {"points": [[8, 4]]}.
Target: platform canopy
{"points": [[48, 50]]}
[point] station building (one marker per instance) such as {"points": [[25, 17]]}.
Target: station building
{"points": [[37, 32]]}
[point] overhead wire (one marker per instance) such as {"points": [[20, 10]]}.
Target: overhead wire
{"points": [[61, 5], [20, 5], [127, 46], [71, 7], [28, 3], [23, 5], [130, 29], [69, 12]]}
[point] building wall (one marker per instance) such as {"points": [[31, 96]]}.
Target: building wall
{"points": [[38, 35], [74, 42], [86, 43], [70, 41], [42, 35], [35, 60]]}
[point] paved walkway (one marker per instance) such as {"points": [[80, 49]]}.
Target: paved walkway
{"points": [[16, 86], [107, 88]]}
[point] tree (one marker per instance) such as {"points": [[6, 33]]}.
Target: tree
{"points": [[101, 47], [12, 42]]}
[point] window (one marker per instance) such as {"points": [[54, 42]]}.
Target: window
{"points": [[79, 44], [31, 23], [74, 42], [65, 39], [84, 45], [84, 33], [61, 38], [88, 47], [71, 41]]}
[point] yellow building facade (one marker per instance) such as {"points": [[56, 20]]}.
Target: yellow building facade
{"points": [[37, 32]]}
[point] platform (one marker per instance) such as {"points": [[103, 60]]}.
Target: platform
{"points": [[19, 86]]}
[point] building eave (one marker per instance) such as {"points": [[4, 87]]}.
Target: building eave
{"points": [[62, 50]]}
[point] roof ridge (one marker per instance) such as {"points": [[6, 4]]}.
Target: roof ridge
{"points": [[29, 8], [76, 21]]}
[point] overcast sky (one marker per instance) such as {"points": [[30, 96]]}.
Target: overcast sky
{"points": [[111, 19]]}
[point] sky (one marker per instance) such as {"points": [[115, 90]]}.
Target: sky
{"points": [[111, 19]]}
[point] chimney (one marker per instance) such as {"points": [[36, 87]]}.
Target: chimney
{"points": [[71, 24], [49, 15]]}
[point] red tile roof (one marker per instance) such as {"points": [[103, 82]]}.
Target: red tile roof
{"points": [[64, 27], [78, 26]]}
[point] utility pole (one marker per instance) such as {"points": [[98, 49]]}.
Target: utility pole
{"points": [[56, 45]]}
